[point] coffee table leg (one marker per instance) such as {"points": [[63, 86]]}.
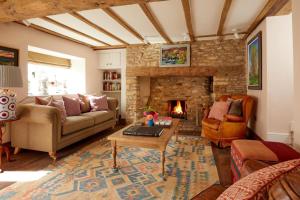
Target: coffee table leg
{"points": [[114, 154], [163, 164]]}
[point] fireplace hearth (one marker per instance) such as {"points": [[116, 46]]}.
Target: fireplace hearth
{"points": [[177, 109]]}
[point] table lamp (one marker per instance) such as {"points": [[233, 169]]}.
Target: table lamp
{"points": [[10, 77]]}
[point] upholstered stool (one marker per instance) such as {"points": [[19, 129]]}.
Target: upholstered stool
{"points": [[269, 152]]}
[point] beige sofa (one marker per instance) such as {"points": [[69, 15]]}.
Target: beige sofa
{"points": [[39, 127]]}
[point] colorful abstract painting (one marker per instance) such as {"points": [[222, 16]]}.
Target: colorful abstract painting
{"points": [[9, 56], [255, 63], [175, 55]]}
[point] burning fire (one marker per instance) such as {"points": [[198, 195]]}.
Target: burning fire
{"points": [[178, 108]]}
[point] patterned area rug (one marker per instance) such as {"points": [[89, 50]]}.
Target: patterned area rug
{"points": [[88, 174]]}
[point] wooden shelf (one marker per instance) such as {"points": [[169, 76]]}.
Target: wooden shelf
{"points": [[113, 80], [116, 91]]}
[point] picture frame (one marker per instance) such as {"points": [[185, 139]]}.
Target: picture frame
{"points": [[254, 61], [9, 56], [177, 55]]}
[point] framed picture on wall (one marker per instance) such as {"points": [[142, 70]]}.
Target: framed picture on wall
{"points": [[9, 56], [175, 55], [254, 51]]}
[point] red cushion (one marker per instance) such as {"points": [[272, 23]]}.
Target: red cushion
{"points": [[283, 151]]}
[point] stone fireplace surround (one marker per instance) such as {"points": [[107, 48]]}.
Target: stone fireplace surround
{"points": [[224, 60]]}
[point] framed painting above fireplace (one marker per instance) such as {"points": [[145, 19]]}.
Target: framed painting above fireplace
{"points": [[177, 55]]}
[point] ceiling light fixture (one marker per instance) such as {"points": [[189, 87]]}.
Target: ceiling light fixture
{"points": [[186, 37], [236, 33]]}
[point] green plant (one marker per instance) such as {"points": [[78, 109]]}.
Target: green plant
{"points": [[148, 109]]}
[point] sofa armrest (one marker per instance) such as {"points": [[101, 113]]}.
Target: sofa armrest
{"points": [[112, 103], [39, 114]]}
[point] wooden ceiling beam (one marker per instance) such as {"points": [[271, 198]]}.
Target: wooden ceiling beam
{"points": [[154, 21], [123, 23], [52, 21], [188, 18], [98, 28], [26, 9], [271, 8], [286, 9], [48, 31], [224, 14]]}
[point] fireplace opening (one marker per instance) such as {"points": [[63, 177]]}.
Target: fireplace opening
{"points": [[177, 109]]}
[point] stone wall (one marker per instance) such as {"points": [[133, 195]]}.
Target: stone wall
{"points": [[194, 90], [228, 56]]}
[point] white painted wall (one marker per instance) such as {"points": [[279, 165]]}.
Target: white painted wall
{"points": [[259, 125], [20, 37], [296, 38], [275, 101]]}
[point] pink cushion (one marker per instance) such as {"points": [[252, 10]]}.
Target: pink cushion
{"points": [[98, 103], [59, 104], [218, 110], [72, 106]]}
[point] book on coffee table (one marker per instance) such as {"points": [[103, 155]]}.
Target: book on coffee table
{"points": [[153, 131]]}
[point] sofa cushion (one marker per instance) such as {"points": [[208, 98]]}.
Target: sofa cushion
{"points": [[100, 116], [76, 123], [211, 123], [72, 106], [84, 103], [42, 100], [98, 103]]}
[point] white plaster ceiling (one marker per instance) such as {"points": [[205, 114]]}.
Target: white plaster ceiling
{"points": [[205, 16], [242, 13], [55, 28], [134, 16]]}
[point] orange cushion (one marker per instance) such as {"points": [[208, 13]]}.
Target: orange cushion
{"points": [[211, 123], [254, 150]]}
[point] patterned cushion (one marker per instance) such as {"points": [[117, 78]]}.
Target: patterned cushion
{"points": [[7, 106], [84, 103], [256, 185], [218, 110], [98, 103], [72, 106]]}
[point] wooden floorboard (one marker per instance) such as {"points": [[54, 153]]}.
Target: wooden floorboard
{"points": [[28, 160]]}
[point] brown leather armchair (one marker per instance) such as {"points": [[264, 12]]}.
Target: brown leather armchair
{"points": [[232, 127]]}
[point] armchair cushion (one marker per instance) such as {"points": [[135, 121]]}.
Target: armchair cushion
{"points": [[218, 110], [211, 123], [233, 118], [236, 107]]}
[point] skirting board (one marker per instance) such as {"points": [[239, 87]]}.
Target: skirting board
{"points": [[279, 137]]}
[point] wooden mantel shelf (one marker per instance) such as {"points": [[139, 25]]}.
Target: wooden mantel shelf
{"points": [[170, 71]]}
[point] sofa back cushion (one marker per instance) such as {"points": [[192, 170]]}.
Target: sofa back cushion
{"points": [[218, 110], [72, 106], [43, 100], [84, 103], [98, 103], [59, 104]]}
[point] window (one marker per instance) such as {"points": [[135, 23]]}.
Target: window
{"points": [[51, 75], [47, 79]]}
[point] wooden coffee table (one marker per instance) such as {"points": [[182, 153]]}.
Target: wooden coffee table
{"points": [[158, 143]]}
